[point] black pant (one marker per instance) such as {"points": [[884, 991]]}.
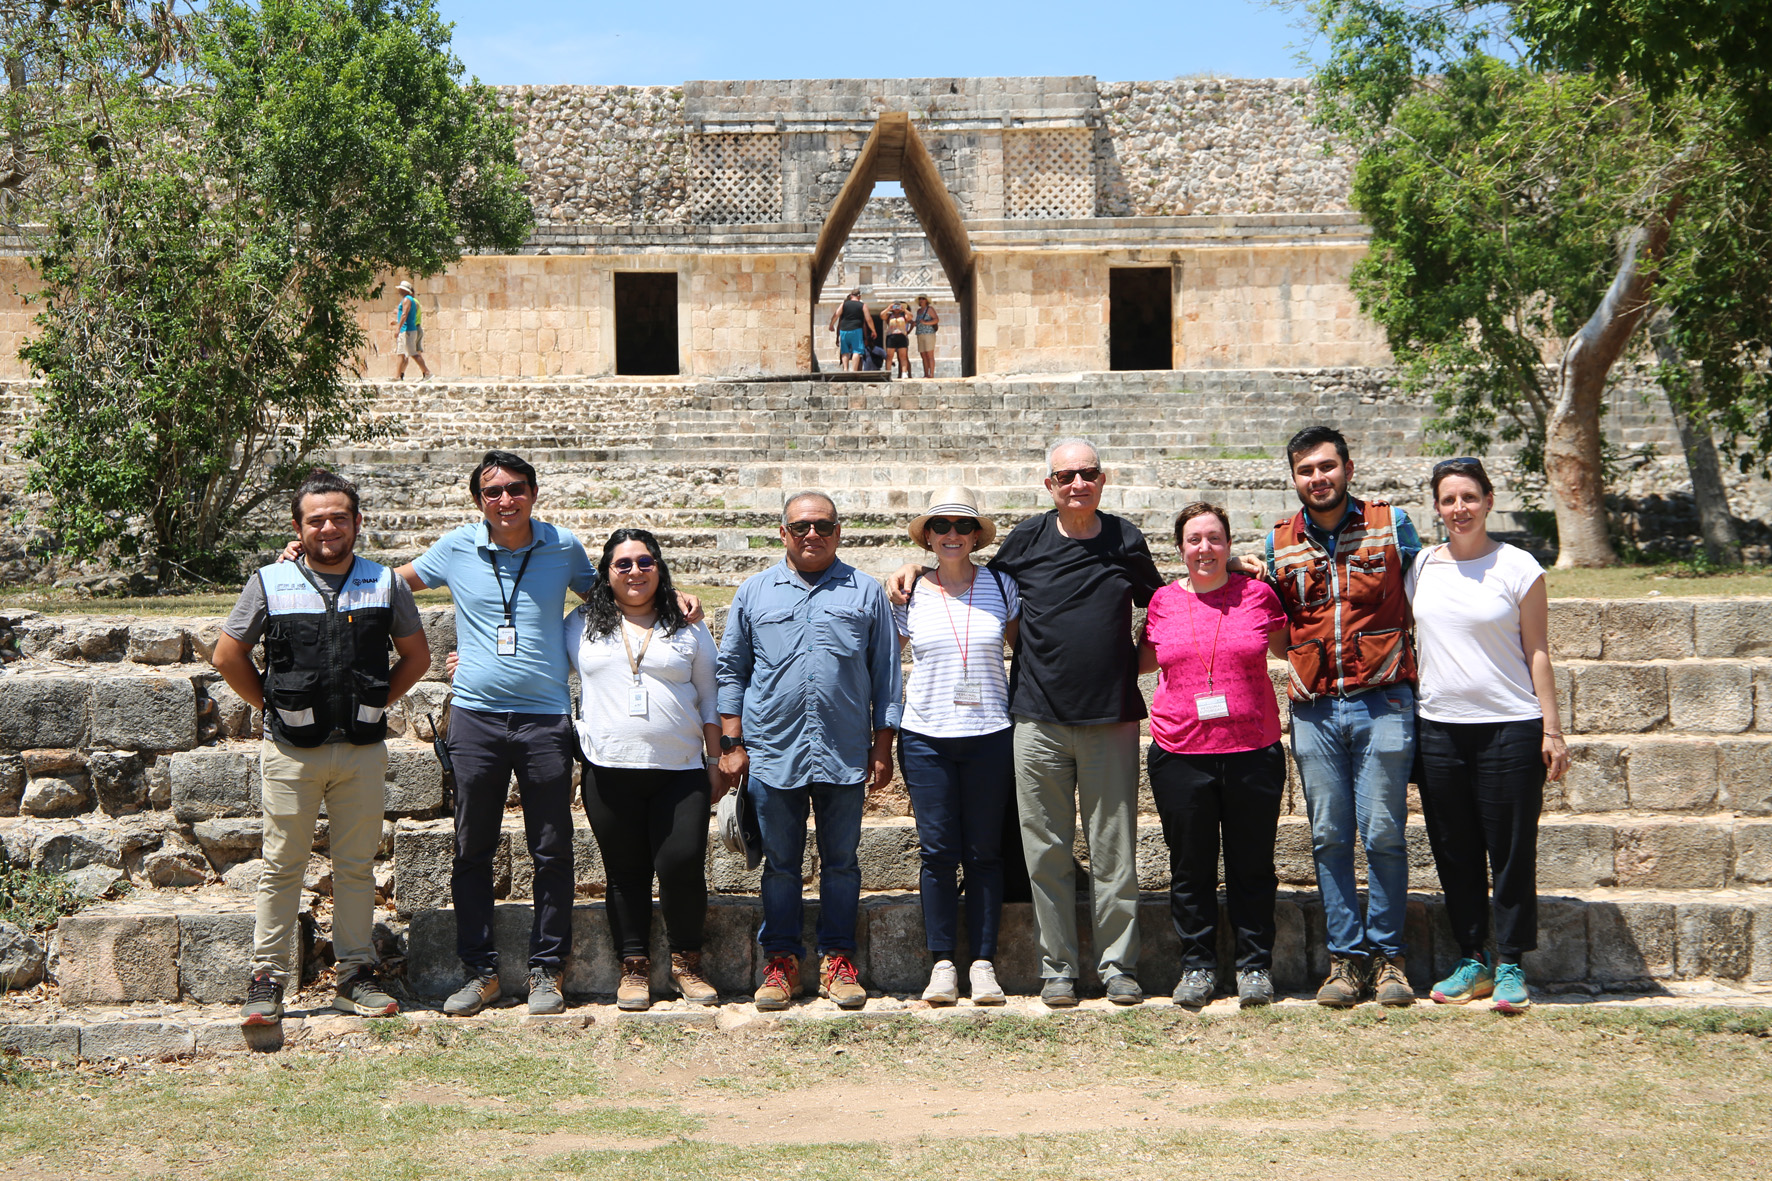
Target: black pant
{"points": [[1482, 789], [1199, 796], [647, 821], [486, 749]]}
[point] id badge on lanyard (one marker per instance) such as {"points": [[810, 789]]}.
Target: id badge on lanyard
{"points": [[507, 640], [1208, 706]]}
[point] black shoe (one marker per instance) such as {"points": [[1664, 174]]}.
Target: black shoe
{"points": [[1122, 989], [264, 1002], [1060, 992], [1194, 989], [1254, 988]]}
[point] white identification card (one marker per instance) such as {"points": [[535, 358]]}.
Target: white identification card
{"points": [[637, 701], [507, 641], [1211, 705], [968, 693]]}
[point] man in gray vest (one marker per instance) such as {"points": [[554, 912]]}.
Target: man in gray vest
{"points": [[327, 622]]}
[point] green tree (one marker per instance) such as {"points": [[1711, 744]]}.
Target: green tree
{"points": [[214, 205]]}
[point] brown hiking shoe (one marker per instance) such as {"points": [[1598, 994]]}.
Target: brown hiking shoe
{"points": [[839, 980], [781, 983], [1346, 985], [634, 993], [1391, 986], [686, 975]]}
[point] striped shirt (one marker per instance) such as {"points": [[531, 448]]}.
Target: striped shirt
{"points": [[937, 627]]}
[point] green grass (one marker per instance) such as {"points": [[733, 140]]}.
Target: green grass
{"points": [[32, 899], [1662, 581]]}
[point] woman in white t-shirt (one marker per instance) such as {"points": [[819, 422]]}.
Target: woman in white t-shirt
{"points": [[956, 747], [649, 727], [1488, 731]]}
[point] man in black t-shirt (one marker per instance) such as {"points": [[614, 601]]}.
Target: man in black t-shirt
{"points": [[1073, 691]]}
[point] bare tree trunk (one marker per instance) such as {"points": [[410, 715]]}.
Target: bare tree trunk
{"points": [[1715, 523], [1572, 441]]}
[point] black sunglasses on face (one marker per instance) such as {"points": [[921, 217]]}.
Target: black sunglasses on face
{"points": [[800, 528], [643, 562], [516, 489], [1089, 474], [964, 526]]}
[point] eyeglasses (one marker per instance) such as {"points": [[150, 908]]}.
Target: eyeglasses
{"points": [[643, 562], [1467, 460], [800, 528], [964, 526], [1089, 474], [516, 490]]}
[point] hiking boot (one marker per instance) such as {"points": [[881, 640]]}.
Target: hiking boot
{"points": [[1194, 988], [634, 993], [1391, 986], [360, 992], [839, 980], [1346, 985], [985, 989], [944, 984], [686, 975], [264, 1002], [1059, 992], [781, 983], [1511, 995], [480, 990], [1122, 989], [1471, 979], [1255, 988], [545, 998]]}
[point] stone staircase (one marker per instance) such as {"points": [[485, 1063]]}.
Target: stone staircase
{"points": [[123, 758]]}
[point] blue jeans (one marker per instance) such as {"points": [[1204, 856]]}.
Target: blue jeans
{"points": [[959, 788], [781, 815], [1354, 756]]}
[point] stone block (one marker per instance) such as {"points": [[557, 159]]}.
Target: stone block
{"points": [[1619, 699], [94, 881], [111, 959], [439, 625], [1576, 856], [220, 781], [21, 958], [1152, 858], [729, 945], [157, 643], [229, 840], [1562, 942], [1018, 951], [888, 856], [1289, 970], [1159, 955], [233, 717], [1710, 698], [110, 1040], [422, 705], [12, 784], [44, 711], [423, 861], [1629, 942], [1753, 852], [897, 960], [101, 640], [1732, 627], [1575, 629], [1647, 630], [434, 970], [415, 780], [1744, 777], [144, 713], [227, 1036], [70, 849], [55, 1043], [1763, 698], [215, 957], [174, 867], [1418, 938], [1292, 853], [119, 781], [1673, 854], [1713, 939], [1673, 775], [57, 795]]}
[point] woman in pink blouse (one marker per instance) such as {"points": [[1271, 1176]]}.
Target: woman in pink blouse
{"points": [[1215, 759]]}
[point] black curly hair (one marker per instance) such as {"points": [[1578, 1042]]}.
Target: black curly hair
{"points": [[602, 616]]}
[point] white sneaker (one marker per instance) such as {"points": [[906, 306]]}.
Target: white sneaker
{"points": [[985, 989], [944, 984]]}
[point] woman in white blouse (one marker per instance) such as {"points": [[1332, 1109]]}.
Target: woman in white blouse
{"points": [[1488, 730], [650, 730]]}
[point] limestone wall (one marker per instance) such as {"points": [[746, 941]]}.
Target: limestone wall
{"points": [[602, 153]]}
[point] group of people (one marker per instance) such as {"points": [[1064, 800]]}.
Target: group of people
{"points": [[1401, 658], [882, 340]]}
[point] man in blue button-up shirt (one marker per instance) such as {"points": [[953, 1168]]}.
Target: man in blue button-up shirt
{"points": [[809, 702]]}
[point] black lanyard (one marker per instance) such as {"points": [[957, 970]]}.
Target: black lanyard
{"points": [[515, 582]]}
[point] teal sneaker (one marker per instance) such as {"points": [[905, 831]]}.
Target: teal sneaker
{"points": [[1470, 980], [1511, 995]]}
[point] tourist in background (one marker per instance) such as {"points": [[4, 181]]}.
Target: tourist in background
{"points": [[928, 324], [409, 333], [898, 339], [854, 325], [1216, 764], [1489, 733], [956, 746], [649, 727]]}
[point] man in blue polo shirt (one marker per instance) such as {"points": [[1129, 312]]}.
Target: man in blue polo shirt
{"points": [[509, 575]]}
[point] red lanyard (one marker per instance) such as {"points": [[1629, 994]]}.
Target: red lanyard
{"points": [[966, 644], [1194, 632]]}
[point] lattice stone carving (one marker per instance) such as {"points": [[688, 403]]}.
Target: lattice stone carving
{"points": [[1049, 173], [735, 179]]}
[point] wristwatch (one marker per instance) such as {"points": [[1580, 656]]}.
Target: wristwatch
{"points": [[728, 742]]}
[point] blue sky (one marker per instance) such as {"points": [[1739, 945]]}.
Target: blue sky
{"points": [[514, 41]]}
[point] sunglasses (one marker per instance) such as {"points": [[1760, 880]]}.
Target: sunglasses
{"points": [[801, 528], [643, 562], [1461, 461], [964, 526], [1089, 474], [516, 490]]}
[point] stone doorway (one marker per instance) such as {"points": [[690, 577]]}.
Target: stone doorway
{"points": [[646, 323], [894, 152], [1141, 321]]}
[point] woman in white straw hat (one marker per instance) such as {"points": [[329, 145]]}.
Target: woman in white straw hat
{"points": [[409, 332], [956, 741]]}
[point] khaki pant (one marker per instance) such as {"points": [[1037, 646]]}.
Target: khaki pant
{"points": [[348, 779], [1059, 769]]}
